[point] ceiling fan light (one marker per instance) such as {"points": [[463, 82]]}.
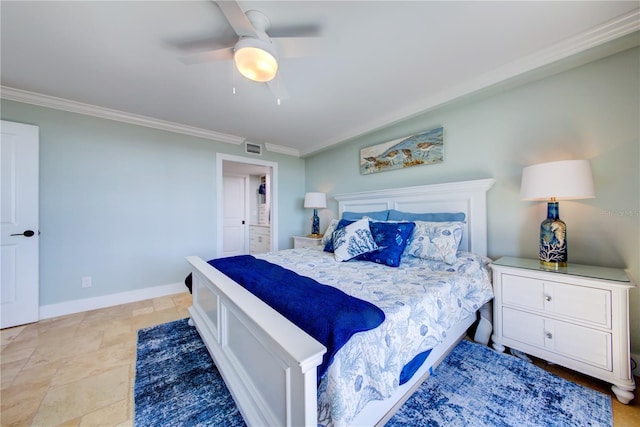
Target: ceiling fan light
{"points": [[255, 60]]}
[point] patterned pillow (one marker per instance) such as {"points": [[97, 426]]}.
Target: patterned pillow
{"points": [[353, 240], [328, 245], [437, 241], [391, 238]]}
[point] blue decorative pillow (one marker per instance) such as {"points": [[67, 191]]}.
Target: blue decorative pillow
{"points": [[437, 241], [353, 240], [395, 215], [391, 238], [328, 246], [379, 216]]}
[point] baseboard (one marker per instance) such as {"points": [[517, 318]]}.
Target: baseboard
{"points": [[77, 306], [636, 358]]}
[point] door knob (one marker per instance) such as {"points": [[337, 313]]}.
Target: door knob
{"points": [[27, 233]]}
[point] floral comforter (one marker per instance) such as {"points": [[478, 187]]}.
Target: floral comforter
{"points": [[421, 299]]}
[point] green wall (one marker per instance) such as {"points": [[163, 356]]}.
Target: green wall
{"points": [[590, 112], [125, 204]]}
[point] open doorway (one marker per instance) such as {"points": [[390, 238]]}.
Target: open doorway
{"points": [[246, 205]]}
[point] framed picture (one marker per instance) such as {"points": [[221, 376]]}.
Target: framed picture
{"points": [[422, 149]]}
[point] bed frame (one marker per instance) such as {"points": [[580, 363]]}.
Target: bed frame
{"points": [[269, 364]]}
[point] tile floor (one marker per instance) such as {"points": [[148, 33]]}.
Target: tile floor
{"points": [[78, 370]]}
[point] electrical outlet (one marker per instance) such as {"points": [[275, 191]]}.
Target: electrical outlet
{"points": [[86, 281]]}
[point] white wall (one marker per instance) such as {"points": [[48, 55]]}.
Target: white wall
{"points": [[590, 112], [125, 204]]}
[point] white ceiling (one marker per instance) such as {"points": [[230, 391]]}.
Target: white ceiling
{"points": [[374, 63]]}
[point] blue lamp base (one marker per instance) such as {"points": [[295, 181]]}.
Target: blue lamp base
{"points": [[315, 224], [553, 238]]}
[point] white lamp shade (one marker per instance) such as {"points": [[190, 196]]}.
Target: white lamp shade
{"points": [[315, 200], [564, 180], [256, 59]]}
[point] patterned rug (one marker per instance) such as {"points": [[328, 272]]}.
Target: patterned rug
{"points": [[177, 384], [475, 386]]}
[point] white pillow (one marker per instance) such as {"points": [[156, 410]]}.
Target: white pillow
{"points": [[328, 234], [437, 241], [353, 240]]}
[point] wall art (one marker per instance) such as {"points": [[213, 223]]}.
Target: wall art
{"points": [[422, 149]]}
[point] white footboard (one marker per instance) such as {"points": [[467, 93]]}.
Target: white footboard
{"points": [[268, 364]]}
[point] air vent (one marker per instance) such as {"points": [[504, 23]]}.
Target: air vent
{"points": [[253, 148]]}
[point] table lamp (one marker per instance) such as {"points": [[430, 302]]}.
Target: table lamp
{"points": [[553, 181], [315, 201]]}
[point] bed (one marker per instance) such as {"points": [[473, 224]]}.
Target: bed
{"points": [[270, 365]]}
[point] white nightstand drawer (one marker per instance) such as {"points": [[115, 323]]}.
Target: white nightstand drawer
{"points": [[566, 300], [307, 242], [523, 327], [580, 343]]}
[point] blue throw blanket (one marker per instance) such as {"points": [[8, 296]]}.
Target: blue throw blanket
{"points": [[326, 313]]}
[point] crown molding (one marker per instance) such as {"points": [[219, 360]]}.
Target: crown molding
{"points": [[598, 42], [282, 150], [41, 100]]}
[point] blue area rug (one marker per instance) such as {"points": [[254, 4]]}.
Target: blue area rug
{"points": [[475, 386], [177, 384]]}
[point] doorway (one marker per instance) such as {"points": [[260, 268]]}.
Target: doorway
{"points": [[258, 228]]}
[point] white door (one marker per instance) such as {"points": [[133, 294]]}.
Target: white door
{"points": [[235, 234], [19, 290]]}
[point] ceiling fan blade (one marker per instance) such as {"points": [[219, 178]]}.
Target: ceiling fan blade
{"points": [[297, 47], [209, 56], [278, 89], [237, 18], [203, 44], [303, 30]]}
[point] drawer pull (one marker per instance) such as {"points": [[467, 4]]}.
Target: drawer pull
{"points": [[547, 297], [549, 335]]}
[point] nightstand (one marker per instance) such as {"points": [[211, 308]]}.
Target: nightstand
{"points": [[576, 316], [307, 242]]}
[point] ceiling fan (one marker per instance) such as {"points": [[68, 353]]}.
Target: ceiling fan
{"points": [[255, 54]]}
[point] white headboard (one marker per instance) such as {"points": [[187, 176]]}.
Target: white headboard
{"points": [[469, 197]]}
